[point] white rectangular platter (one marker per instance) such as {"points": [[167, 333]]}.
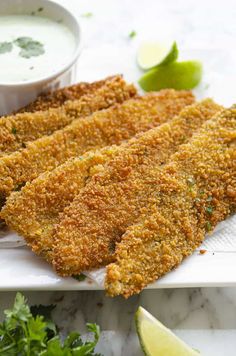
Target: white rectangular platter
{"points": [[20, 269]]}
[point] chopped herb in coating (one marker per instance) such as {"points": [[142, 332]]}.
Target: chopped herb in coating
{"points": [[209, 210], [208, 226]]}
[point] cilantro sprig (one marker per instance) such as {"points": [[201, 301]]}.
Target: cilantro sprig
{"points": [[5, 47], [28, 47], [29, 331]]}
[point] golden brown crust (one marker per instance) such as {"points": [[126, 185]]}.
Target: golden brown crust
{"points": [[196, 190], [17, 130], [101, 129], [89, 228], [33, 211], [54, 99]]}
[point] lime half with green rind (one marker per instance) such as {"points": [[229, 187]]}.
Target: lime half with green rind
{"points": [[178, 75], [153, 54]]}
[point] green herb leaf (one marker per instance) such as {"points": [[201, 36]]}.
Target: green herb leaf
{"points": [[209, 210], [34, 49], [132, 34], [29, 47], [80, 277], [5, 47], [22, 42], [36, 328], [94, 328], [73, 340], [20, 310], [208, 226], [26, 332], [13, 131], [88, 347]]}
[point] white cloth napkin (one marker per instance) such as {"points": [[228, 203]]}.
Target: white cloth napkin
{"points": [[223, 239], [9, 239]]}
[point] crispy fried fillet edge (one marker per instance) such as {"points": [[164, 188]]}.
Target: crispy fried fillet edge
{"points": [[89, 228], [56, 98], [34, 210], [196, 191], [17, 130], [103, 128]]}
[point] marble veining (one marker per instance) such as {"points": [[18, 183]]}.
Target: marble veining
{"points": [[201, 316]]}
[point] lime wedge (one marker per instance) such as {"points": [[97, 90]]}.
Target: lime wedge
{"points": [[157, 340], [152, 54], [178, 75]]}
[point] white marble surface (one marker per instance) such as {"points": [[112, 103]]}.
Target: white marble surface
{"points": [[205, 317]]}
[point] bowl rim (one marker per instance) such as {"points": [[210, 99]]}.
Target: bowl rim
{"points": [[65, 67]]}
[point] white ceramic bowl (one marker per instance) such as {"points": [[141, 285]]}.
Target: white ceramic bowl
{"points": [[14, 96]]}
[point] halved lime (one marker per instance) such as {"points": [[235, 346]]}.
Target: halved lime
{"points": [[152, 54], [178, 75], [157, 340]]}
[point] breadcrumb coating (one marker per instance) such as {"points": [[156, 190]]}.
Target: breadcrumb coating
{"points": [[89, 228], [103, 128], [34, 210], [196, 190], [17, 130], [54, 99]]}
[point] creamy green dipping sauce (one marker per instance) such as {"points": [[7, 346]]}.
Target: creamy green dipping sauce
{"points": [[32, 47]]}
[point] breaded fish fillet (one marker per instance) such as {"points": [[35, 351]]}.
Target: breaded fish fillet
{"points": [[101, 129], [35, 209], [89, 228], [17, 130], [54, 99], [195, 191]]}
